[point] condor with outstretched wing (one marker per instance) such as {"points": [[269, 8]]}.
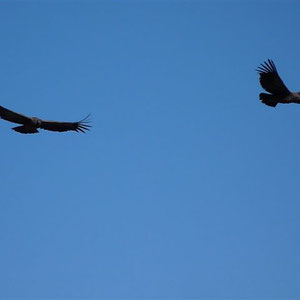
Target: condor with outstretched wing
{"points": [[31, 124], [272, 83]]}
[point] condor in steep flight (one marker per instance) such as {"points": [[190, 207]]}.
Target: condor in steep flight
{"points": [[31, 124], [272, 83]]}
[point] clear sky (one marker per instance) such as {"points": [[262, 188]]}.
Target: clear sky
{"points": [[186, 186]]}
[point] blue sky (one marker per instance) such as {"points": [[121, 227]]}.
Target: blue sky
{"points": [[186, 186]]}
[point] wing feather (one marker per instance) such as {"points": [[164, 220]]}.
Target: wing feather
{"points": [[12, 116], [270, 79]]}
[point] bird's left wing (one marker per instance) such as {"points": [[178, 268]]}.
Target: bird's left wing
{"points": [[80, 126], [270, 79], [12, 116]]}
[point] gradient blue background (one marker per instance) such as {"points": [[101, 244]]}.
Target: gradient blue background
{"points": [[186, 186]]}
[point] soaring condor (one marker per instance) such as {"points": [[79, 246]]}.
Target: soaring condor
{"points": [[272, 83], [31, 124]]}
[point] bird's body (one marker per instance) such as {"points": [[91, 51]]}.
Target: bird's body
{"points": [[32, 124], [273, 84]]}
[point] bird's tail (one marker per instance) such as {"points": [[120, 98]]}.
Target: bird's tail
{"points": [[25, 129], [268, 99]]}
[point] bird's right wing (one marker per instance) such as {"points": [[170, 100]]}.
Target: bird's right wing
{"points": [[12, 116], [270, 80], [80, 126]]}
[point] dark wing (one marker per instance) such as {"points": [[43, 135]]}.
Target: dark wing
{"points": [[12, 116], [270, 80], [81, 126]]}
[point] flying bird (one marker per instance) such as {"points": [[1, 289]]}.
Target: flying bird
{"points": [[31, 124], [272, 83]]}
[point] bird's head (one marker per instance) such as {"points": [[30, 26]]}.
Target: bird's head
{"points": [[36, 121]]}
